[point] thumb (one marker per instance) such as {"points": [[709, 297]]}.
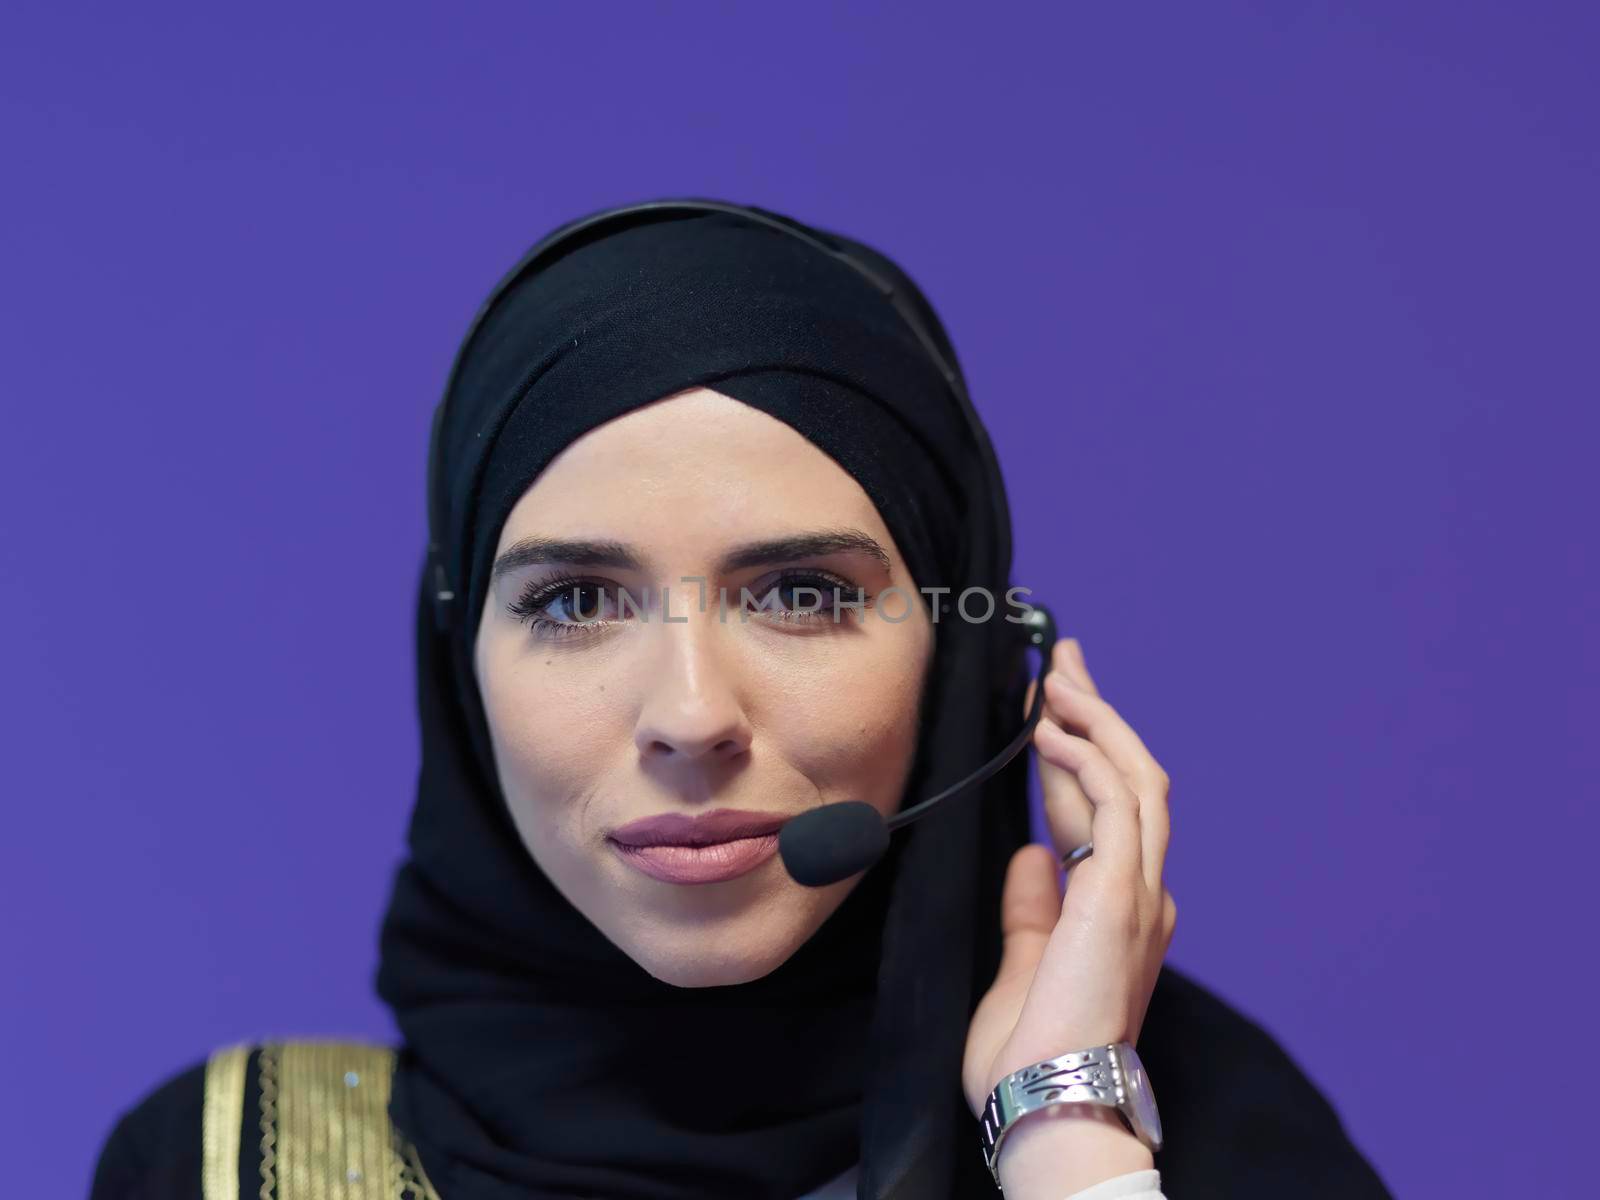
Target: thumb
{"points": [[1030, 907]]}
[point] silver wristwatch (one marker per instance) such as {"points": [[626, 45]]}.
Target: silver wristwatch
{"points": [[1110, 1075]]}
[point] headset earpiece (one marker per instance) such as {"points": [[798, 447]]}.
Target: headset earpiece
{"points": [[443, 595]]}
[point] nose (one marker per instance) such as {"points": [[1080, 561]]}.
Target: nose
{"points": [[691, 710]]}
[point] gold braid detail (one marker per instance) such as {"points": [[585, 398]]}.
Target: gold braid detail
{"points": [[222, 1115], [412, 1181], [326, 1133], [267, 1070]]}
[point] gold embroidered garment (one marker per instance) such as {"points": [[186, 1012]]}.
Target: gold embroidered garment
{"points": [[322, 1123]]}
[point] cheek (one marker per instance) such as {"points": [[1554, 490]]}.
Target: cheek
{"points": [[852, 729], [550, 737]]}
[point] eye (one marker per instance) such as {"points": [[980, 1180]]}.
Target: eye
{"points": [[809, 596], [570, 606]]}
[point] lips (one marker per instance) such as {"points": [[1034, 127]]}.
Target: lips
{"points": [[702, 829]]}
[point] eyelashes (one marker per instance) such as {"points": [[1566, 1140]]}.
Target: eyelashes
{"points": [[538, 596], [585, 593]]}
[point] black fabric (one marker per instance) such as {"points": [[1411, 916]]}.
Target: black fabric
{"points": [[154, 1148], [534, 1062], [1242, 1120]]}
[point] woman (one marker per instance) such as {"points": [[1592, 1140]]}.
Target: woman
{"points": [[660, 449]]}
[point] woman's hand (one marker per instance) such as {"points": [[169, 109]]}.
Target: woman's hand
{"points": [[1078, 972]]}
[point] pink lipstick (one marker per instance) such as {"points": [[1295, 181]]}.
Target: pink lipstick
{"points": [[707, 848]]}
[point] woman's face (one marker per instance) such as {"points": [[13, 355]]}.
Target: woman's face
{"points": [[640, 693]]}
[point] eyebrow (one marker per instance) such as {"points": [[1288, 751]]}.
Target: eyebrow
{"points": [[533, 551]]}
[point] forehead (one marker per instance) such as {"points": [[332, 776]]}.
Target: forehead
{"points": [[695, 463]]}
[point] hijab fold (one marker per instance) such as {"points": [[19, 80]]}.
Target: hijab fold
{"points": [[538, 1059]]}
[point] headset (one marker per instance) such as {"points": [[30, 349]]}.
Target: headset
{"points": [[826, 844]]}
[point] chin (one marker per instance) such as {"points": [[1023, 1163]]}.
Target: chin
{"points": [[716, 951], [706, 936], [710, 959], [699, 973]]}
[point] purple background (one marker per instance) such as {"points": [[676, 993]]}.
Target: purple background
{"points": [[1283, 317]]}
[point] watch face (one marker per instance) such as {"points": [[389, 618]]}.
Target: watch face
{"points": [[1143, 1100]]}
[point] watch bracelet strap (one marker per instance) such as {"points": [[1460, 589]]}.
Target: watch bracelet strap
{"points": [[1091, 1076]]}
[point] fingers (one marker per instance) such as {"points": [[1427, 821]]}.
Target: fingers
{"points": [[1030, 906], [1073, 704], [1080, 711], [1068, 656], [1114, 826], [1067, 810]]}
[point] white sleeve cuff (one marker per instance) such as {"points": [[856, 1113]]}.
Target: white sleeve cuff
{"points": [[1135, 1185]]}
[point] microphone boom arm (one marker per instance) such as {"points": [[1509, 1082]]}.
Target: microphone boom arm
{"points": [[1043, 636]]}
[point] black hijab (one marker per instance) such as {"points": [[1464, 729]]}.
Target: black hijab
{"points": [[533, 1061]]}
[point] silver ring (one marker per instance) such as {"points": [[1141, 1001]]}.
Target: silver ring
{"points": [[1073, 857]]}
